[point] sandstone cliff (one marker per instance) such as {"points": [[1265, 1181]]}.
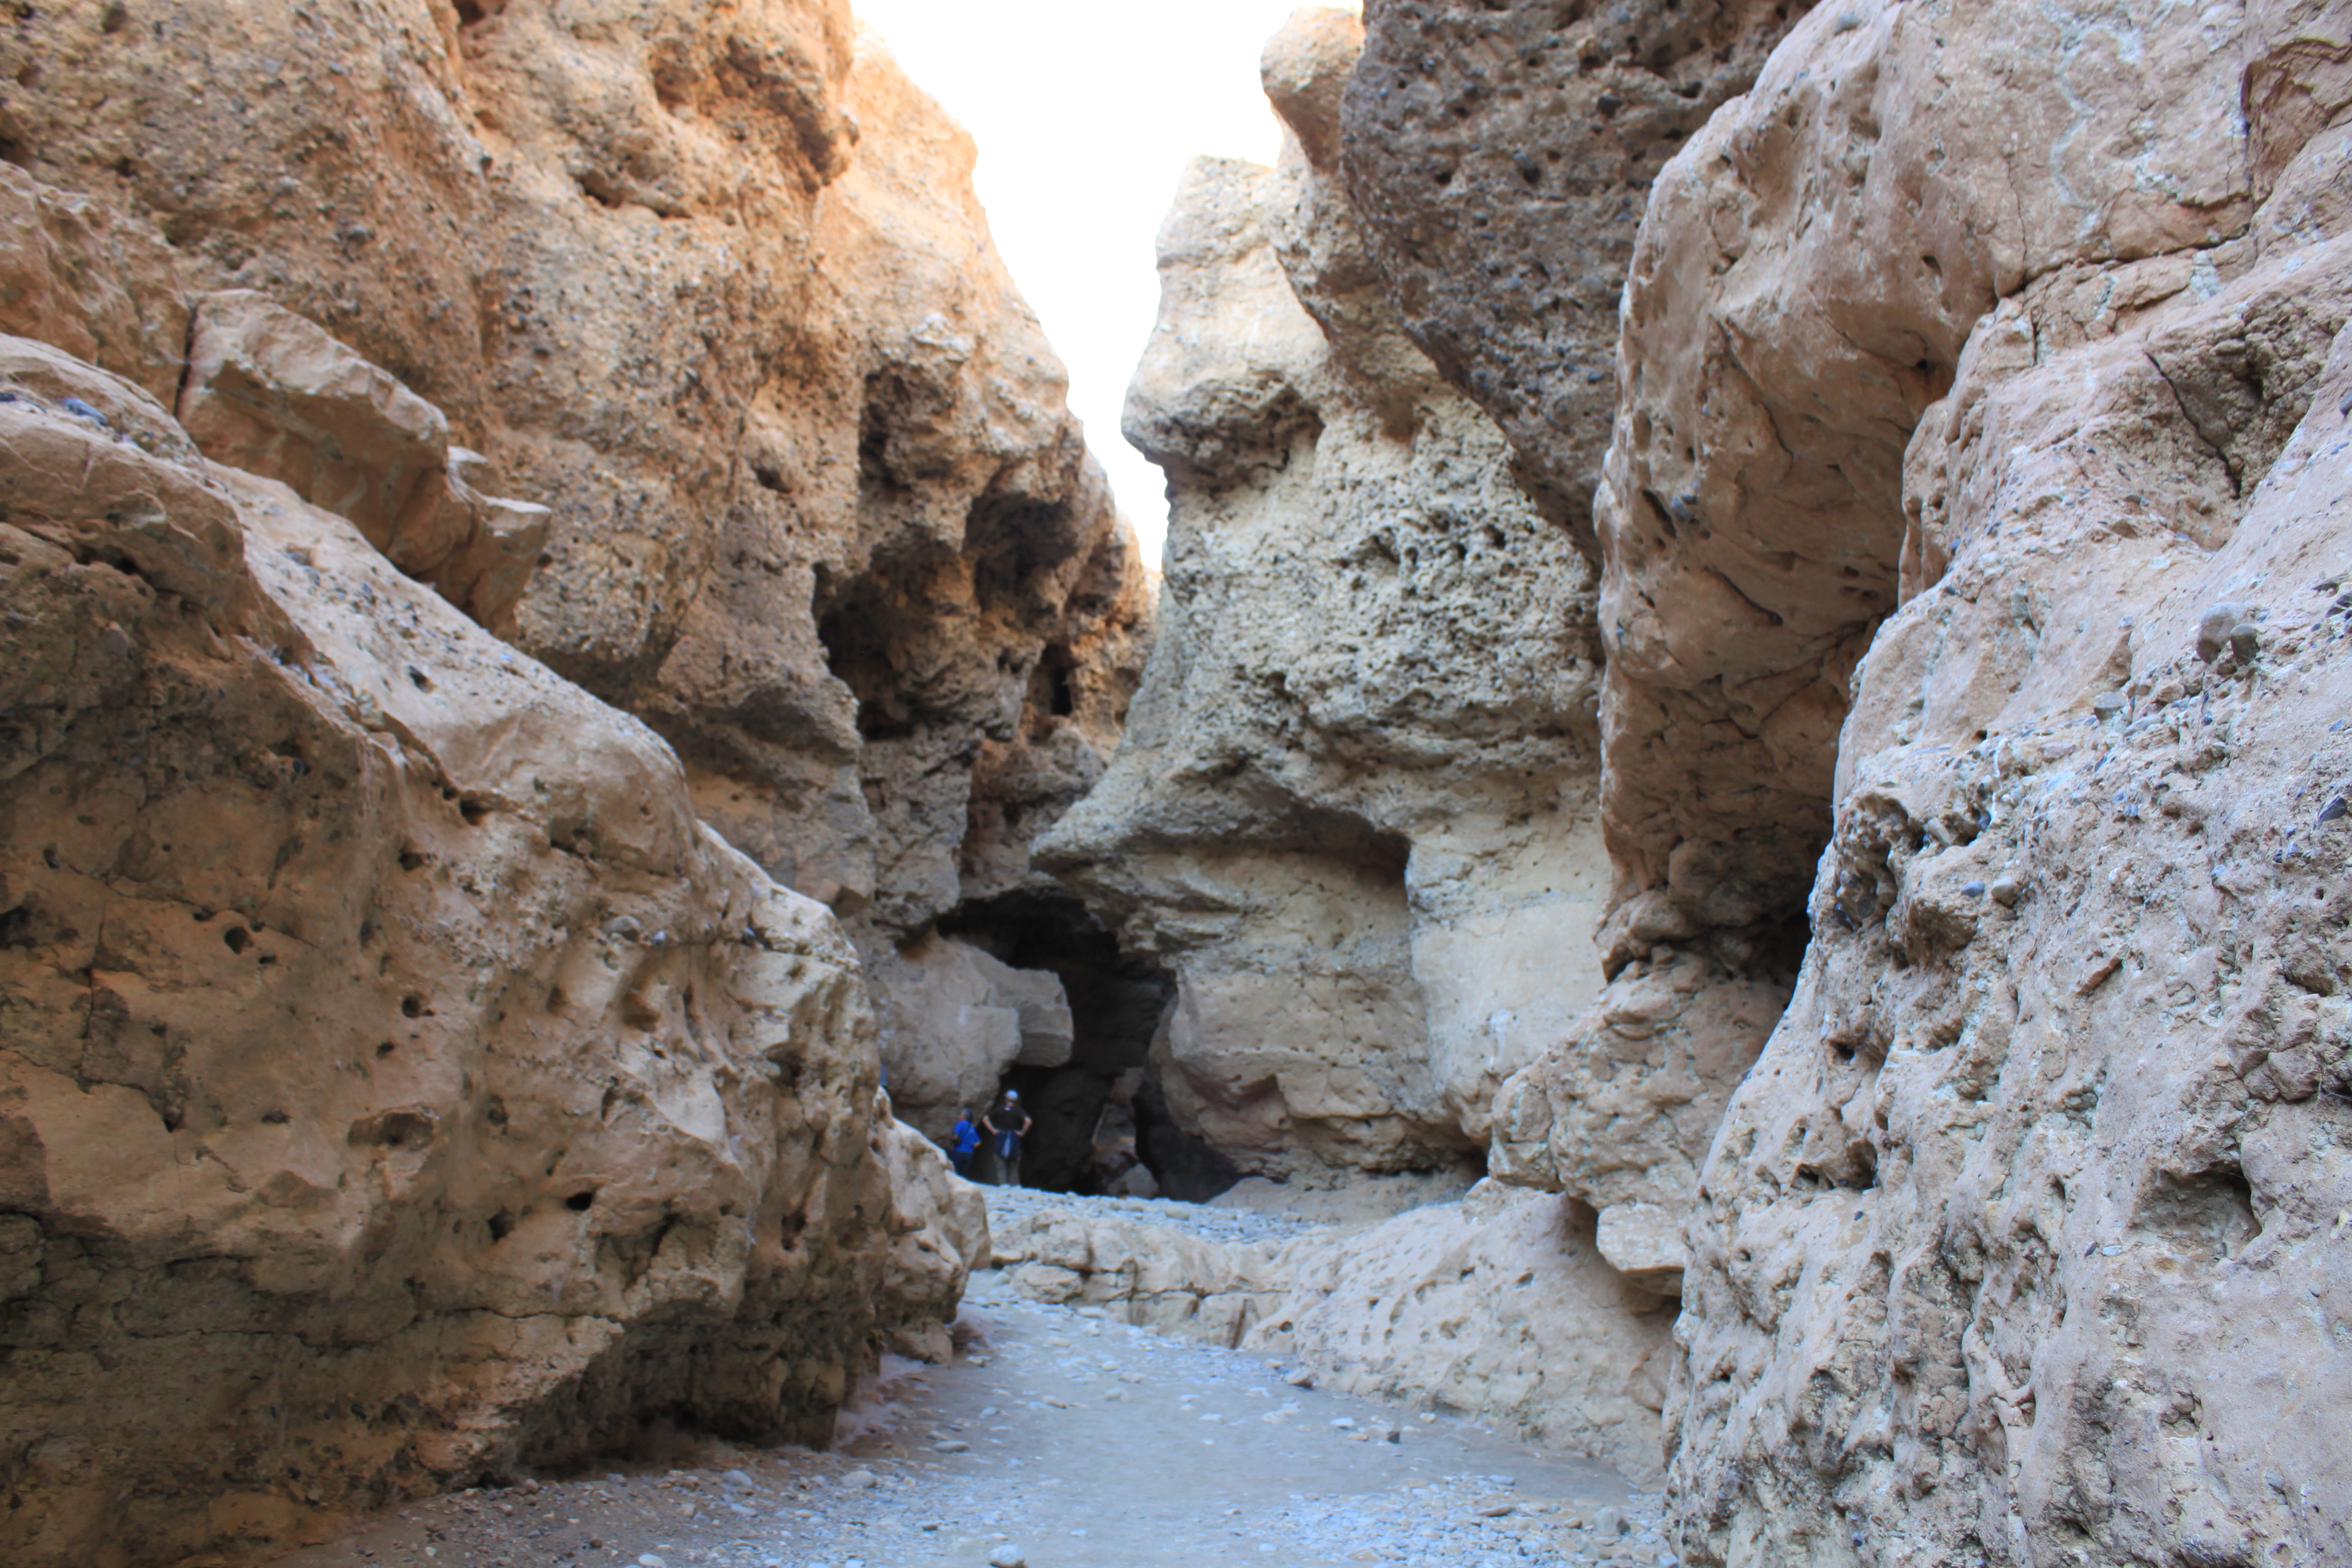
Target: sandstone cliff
{"points": [[2019, 1241], [707, 281], [1354, 811], [400, 1083], [403, 1080], [2023, 1239], [1498, 157]]}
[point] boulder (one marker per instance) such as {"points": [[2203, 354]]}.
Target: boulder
{"points": [[401, 1084]]}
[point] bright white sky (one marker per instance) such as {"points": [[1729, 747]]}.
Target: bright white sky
{"points": [[1085, 113]]}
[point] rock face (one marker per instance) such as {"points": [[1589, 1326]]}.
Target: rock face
{"points": [[399, 1082], [2023, 1239], [1354, 812], [1498, 156], [706, 280], [385, 1014], [1498, 1305]]}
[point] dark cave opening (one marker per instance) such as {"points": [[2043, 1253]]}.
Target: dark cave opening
{"points": [[1102, 1113]]}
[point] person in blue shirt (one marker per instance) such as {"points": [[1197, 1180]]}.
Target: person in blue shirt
{"points": [[963, 1144]]}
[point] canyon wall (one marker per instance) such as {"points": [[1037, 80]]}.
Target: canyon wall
{"points": [[706, 281], [1971, 509], [460, 462], [1354, 811], [400, 1083], [2022, 1240], [2014, 1244]]}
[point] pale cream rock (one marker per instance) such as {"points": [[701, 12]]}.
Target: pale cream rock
{"points": [[1354, 810], [2017, 1239], [1498, 1305]]}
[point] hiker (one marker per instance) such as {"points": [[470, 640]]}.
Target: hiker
{"points": [[1006, 1124], [963, 1144]]}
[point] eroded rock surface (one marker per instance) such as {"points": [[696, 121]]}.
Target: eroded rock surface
{"points": [[1499, 156], [399, 1081], [2018, 1238], [706, 281], [1354, 811], [1498, 1305]]}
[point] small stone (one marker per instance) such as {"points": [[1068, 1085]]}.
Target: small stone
{"points": [[1498, 1510], [2335, 808], [952, 1446], [2005, 891], [1972, 890], [861, 1480], [1007, 1556], [81, 410], [1302, 1378], [1609, 1522], [2215, 625], [739, 1478], [1344, 1424], [2244, 639], [649, 1561]]}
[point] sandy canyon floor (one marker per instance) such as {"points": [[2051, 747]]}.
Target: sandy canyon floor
{"points": [[1073, 1440]]}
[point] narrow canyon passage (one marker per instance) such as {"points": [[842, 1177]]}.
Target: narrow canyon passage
{"points": [[1076, 1439], [1715, 854]]}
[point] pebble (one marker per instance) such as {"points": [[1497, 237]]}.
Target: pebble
{"points": [[1007, 1556], [862, 1480], [1609, 1523], [2216, 625]]}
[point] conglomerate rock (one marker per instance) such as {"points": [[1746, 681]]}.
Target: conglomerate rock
{"points": [[1499, 1305], [1353, 811], [397, 1082], [1498, 156], [706, 281], [2020, 1243]]}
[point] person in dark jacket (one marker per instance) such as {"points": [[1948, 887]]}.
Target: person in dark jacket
{"points": [[1006, 1124], [963, 1144]]}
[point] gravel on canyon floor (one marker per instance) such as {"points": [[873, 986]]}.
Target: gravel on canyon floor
{"points": [[1059, 1438]]}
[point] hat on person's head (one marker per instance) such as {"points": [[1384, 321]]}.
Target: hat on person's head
{"points": [[1011, 1094]]}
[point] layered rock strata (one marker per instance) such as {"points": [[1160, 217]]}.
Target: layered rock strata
{"points": [[2023, 1241], [707, 282], [1354, 811]]}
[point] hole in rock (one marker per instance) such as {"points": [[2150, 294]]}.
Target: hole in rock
{"points": [[2204, 1218], [1099, 1113], [582, 1202]]}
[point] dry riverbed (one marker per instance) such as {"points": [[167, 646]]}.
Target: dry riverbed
{"points": [[1069, 1440]]}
